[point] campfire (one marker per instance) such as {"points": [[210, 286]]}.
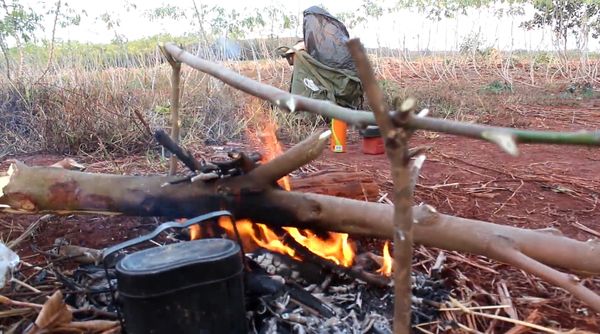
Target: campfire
{"points": [[335, 247], [283, 268], [299, 278]]}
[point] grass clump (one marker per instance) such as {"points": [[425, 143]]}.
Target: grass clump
{"points": [[498, 87]]}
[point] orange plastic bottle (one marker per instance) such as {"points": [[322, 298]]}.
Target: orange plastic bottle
{"points": [[338, 136]]}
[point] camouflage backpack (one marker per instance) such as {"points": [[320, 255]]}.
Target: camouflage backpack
{"points": [[313, 79]]}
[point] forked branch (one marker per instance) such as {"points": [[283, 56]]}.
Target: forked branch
{"points": [[506, 251]]}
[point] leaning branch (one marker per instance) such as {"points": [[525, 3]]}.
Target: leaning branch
{"points": [[281, 98], [505, 250], [292, 159], [361, 118]]}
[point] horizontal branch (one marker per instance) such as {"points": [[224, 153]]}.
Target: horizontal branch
{"points": [[481, 131], [35, 190], [363, 118]]}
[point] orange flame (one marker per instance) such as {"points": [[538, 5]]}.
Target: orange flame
{"points": [[337, 247], [262, 236], [386, 266], [195, 231]]}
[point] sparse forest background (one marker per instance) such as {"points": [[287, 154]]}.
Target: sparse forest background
{"points": [[71, 97]]}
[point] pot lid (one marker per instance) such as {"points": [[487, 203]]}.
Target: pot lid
{"points": [[178, 255]]}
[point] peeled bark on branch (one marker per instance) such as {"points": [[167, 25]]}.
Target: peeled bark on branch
{"points": [[396, 148]]}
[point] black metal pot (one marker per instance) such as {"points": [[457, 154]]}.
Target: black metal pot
{"points": [[188, 287]]}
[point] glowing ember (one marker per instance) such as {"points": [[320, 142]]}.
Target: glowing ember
{"points": [[386, 266], [194, 232]]}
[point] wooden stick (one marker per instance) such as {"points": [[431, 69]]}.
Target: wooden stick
{"points": [[175, 94], [505, 250], [396, 147]]}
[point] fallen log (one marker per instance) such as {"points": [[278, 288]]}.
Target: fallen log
{"points": [[34, 190], [253, 196], [339, 183]]}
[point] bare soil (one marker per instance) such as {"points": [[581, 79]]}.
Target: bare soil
{"points": [[546, 186]]}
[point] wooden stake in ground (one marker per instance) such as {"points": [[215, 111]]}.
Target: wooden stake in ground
{"points": [[175, 94], [396, 147]]}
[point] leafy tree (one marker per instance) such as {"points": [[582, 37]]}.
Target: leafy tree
{"points": [[19, 24], [566, 17], [437, 10]]}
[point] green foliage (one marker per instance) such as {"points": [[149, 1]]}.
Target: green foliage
{"points": [[162, 109], [369, 9], [567, 17], [165, 12], [93, 55], [215, 21], [542, 57], [498, 87], [579, 90], [471, 44], [437, 10], [19, 22]]}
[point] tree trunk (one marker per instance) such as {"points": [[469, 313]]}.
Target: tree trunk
{"points": [[54, 190]]}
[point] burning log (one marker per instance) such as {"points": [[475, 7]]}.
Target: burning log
{"points": [[354, 272], [347, 184], [33, 190], [253, 194]]}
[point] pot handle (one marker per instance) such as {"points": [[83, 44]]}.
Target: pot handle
{"points": [[158, 230]]}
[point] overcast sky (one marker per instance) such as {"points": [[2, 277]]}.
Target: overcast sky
{"points": [[405, 28]]}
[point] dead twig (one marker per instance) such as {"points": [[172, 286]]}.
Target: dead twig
{"points": [[505, 319], [586, 229], [508, 200], [28, 232]]}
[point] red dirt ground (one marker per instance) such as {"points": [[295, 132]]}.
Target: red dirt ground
{"points": [[546, 186]]}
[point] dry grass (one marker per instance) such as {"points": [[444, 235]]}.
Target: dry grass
{"points": [[108, 111]]}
